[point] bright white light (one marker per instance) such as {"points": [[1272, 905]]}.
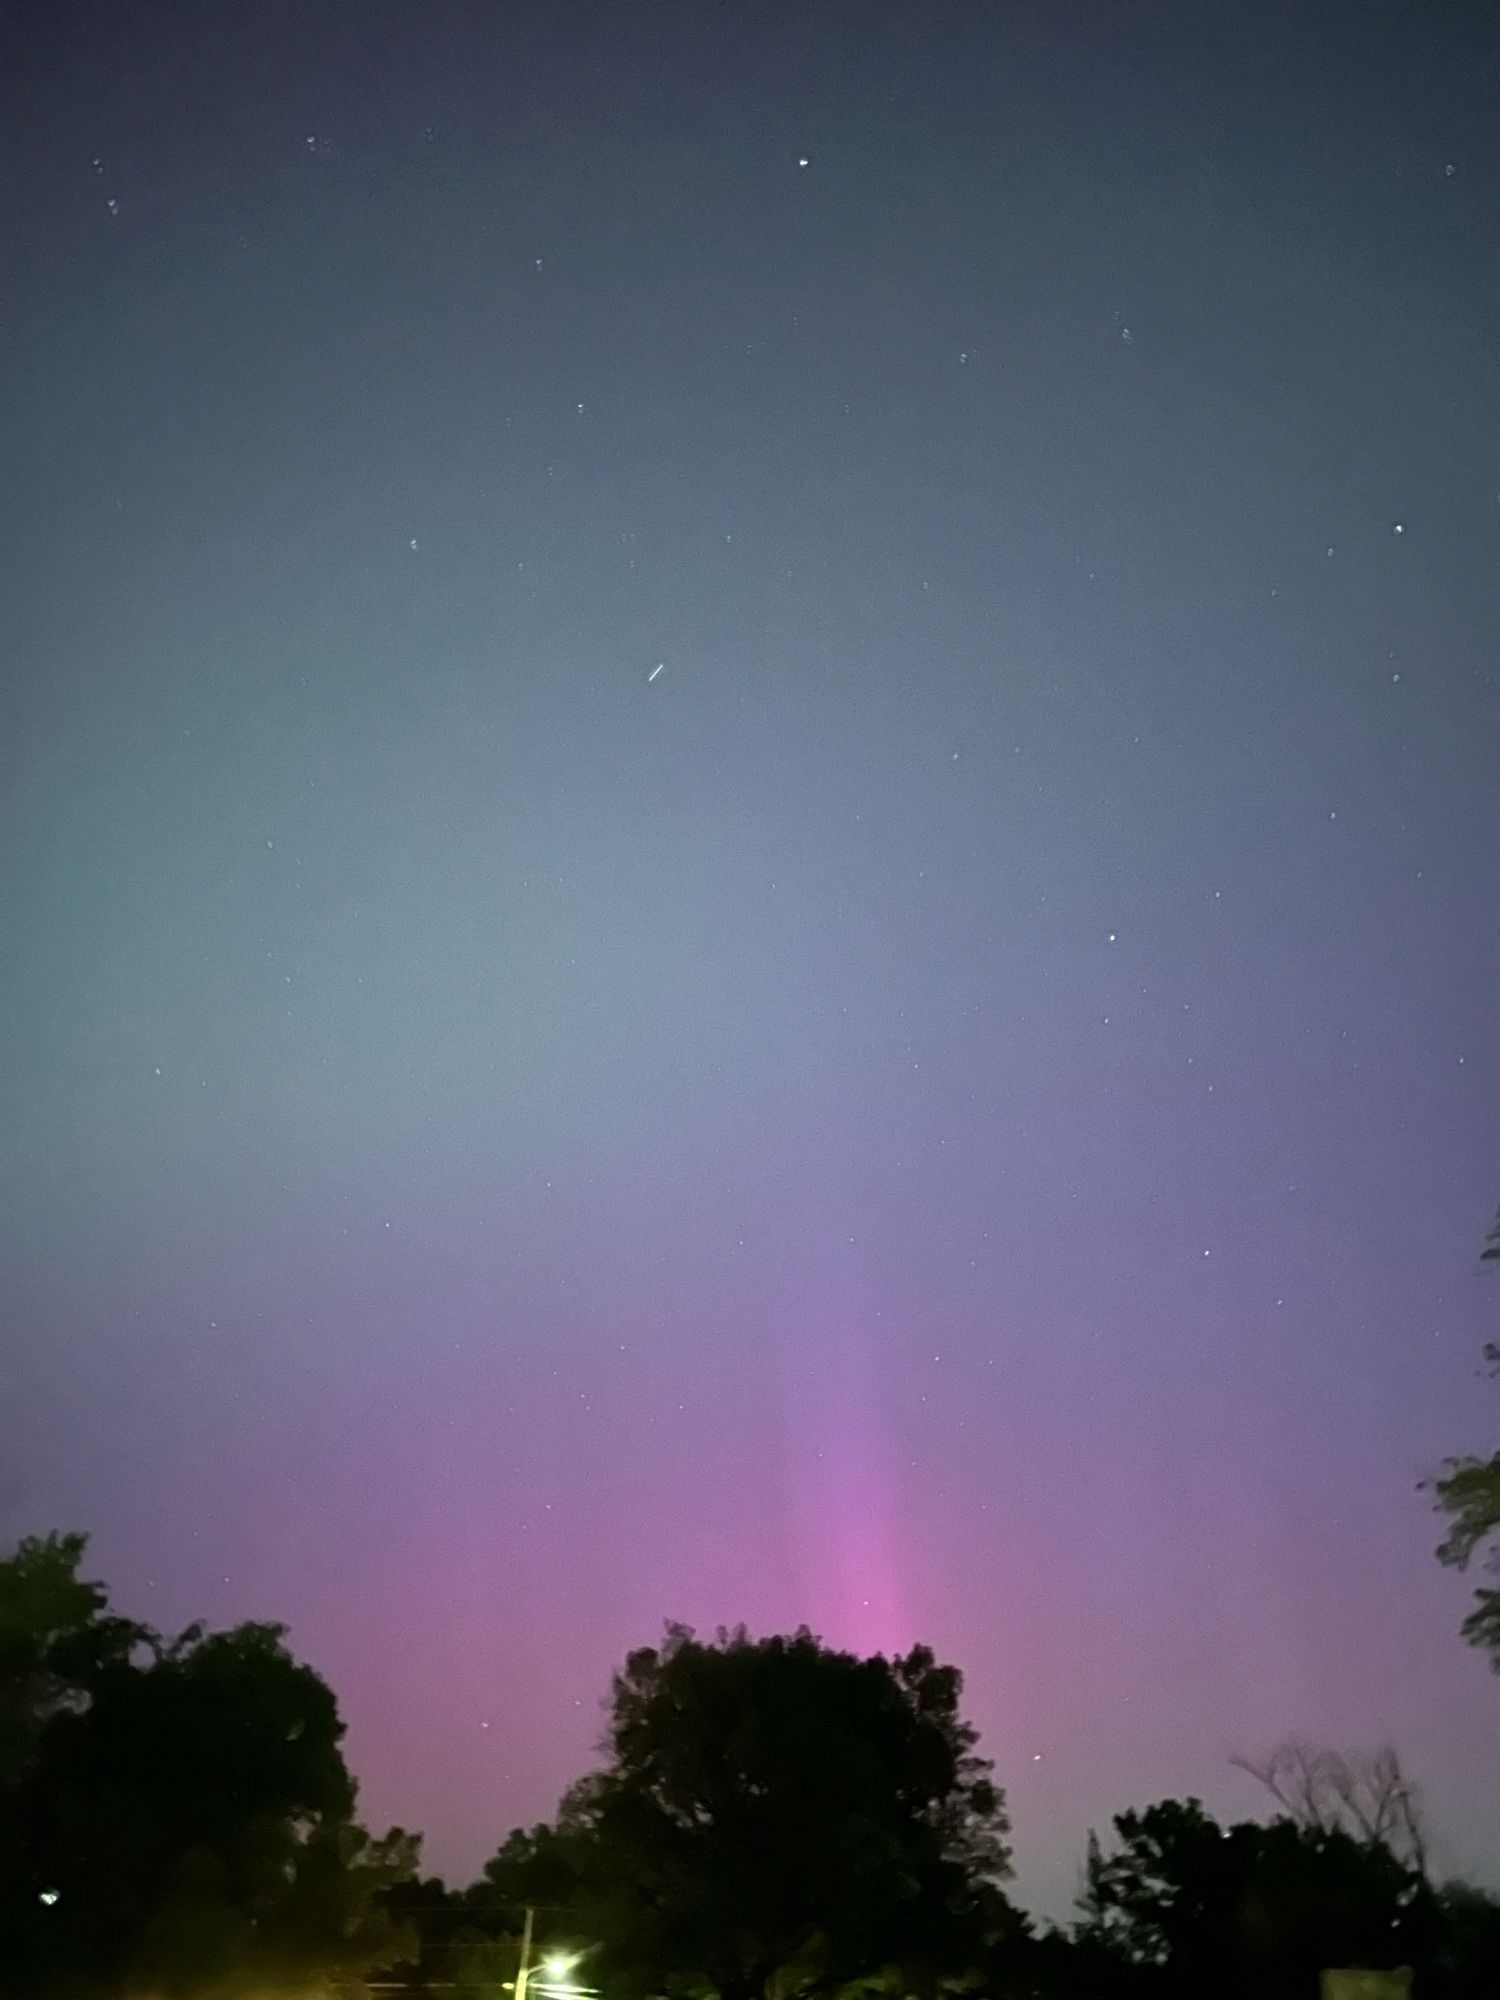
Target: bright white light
{"points": [[48, 1896], [558, 1966]]}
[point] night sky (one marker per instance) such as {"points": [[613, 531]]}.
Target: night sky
{"points": [[752, 806]]}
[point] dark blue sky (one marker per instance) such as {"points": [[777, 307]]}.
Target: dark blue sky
{"points": [[752, 785]]}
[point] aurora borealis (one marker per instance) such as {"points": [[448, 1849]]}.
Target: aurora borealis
{"points": [[750, 890]]}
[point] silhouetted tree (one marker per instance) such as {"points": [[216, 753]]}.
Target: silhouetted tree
{"points": [[1163, 1899], [1467, 1961], [467, 1944], [1368, 1796], [175, 1818], [1467, 1490], [775, 1818], [1052, 1964], [57, 1638], [1250, 1909]]}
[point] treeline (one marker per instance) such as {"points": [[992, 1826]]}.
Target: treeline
{"points": [[771, 1820], [176, 1817]]}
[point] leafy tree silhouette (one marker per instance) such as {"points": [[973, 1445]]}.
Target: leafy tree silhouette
{"points": [[775, 1820], [1250, 1909], [1467, 1490], [175, 1817]]}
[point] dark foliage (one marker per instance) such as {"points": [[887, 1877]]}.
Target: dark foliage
{"points": [[175, 1819], [1466, 1963], [1251, 1909], [1467, 1490], [778, 1817], [467, 1942]]}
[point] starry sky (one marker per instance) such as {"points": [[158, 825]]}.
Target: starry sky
{"points": [[752, 796]]}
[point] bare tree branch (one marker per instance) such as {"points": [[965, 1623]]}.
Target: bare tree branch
{"points": [[1368, 1797]]}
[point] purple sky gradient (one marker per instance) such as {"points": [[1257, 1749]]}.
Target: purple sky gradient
{"points": [[963, 1109]]}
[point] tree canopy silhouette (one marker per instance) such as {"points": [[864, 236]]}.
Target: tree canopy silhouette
{"points": [[1326, 1791], [175, 1817], [1467, 1490], [774, 1817], [1250, 1909], [467, 1941]]}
